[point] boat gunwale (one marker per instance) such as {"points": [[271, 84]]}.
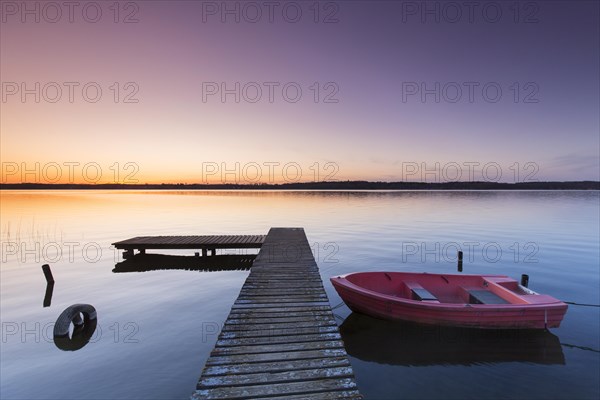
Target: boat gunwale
{"points": [[343, 281]]}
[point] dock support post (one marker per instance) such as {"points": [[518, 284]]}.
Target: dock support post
{"points": [[204, 252]]}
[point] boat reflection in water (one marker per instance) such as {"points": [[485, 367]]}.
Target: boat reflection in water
{"points": [[411, 344]]}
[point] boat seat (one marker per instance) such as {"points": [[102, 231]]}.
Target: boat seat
{"points": [[418, 292], [482, 296]]}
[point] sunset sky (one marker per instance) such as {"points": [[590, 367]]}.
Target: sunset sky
{"points": [[361, 67]]}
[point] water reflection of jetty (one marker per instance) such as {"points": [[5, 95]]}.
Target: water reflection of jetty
{"points": [[154, 262], [410, 344]]}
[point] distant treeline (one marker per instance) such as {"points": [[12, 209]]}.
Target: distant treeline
{"points": [[338, 185]]}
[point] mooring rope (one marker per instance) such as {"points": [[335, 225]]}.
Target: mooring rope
{"points": [[582, 304], [573, 346]]}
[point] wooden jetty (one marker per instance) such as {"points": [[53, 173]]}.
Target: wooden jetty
{"points": [[204, 243], [280, 340]]}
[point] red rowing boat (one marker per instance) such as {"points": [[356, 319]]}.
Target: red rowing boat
{"points": [[477, 301]]}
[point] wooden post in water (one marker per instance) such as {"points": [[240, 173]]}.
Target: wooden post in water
{"points": [[48, 273], [525, 280], [460, 260], [49, 285]]}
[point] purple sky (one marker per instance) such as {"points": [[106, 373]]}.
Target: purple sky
{"points": [[374, 58]]}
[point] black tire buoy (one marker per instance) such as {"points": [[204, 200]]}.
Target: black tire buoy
{"points": [[84, 328]]}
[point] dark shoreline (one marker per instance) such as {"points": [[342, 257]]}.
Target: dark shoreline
{"points": [[342, 185]]}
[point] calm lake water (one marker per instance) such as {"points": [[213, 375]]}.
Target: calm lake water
{"points": [[156, 329]]}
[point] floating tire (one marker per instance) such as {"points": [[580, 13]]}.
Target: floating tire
{"points": [[84, 327]]}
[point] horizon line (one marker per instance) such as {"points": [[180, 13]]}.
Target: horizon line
{"points": [[347, 184]]}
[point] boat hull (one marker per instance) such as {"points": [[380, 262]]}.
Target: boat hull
{"points": [[537, 315]]}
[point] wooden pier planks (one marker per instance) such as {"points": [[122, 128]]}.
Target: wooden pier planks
{"points": [[205, 243], [280, 340], [192, 242]]}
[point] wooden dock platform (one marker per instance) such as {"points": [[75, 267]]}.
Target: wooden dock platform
{"points": [[280, 340], [204, 243]]}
